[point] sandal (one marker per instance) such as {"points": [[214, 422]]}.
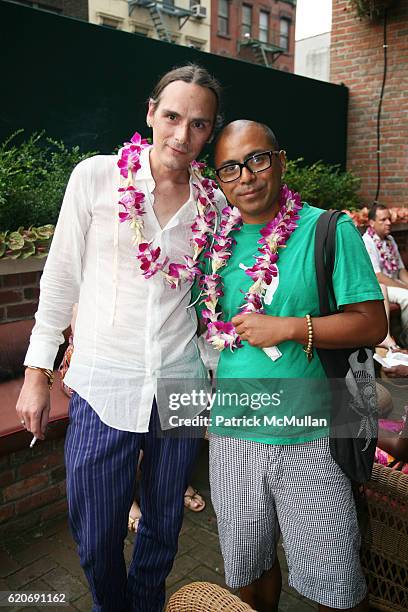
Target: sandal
{"points": [[133, 520], [194, 498]]}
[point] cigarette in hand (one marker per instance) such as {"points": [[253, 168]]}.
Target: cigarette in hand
{"points": [[33, 441]]}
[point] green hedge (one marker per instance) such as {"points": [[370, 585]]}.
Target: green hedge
{"points": [[34, 173], [33, 177], [324, 186]]}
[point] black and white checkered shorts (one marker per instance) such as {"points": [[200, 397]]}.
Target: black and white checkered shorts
{"points": [[261, 490]]}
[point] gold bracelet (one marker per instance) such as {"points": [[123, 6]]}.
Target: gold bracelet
{"points": [[48, 373], [309, 347]]}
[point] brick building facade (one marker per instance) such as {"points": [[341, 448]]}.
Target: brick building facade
{"points": [[69, 8], [357, 60], [239, 26], [178, 21]]}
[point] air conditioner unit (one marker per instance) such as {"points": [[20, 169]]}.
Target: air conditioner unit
{"points": [[199, 12]]}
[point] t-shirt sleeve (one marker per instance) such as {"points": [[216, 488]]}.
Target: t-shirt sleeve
{"points": [[372, 252], [354, 279]]}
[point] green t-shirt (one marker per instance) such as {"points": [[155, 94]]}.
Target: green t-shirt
{"points": [[305, 395]]}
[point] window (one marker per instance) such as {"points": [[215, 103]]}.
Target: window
{"points": [[246, 21], [140, 29], [194, 3], [194, 43], [110, 23], [263, 26], [168, 2], [284, 33], [223, 17]]}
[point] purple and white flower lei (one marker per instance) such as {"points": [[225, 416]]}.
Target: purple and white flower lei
{"points": [[131, 202], [205, 235], [386, 250], [274, 235]]}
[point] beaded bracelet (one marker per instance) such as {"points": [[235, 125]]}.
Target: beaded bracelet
{"points": [[309, 347], [48, 373]]}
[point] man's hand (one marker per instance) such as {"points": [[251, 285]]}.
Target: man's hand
{"points": [[391, 282], [33, 404], [399, 371], [262, 330]]}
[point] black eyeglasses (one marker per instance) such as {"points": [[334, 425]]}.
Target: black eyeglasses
{"points": [[256, 163]]}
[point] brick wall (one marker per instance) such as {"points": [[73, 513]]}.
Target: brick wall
{"points": [[69, 8], [228, 45], [19, 296], [357, 61], [32, 486]]}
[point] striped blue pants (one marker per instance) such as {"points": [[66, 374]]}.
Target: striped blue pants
{"points": [[101, 471]]}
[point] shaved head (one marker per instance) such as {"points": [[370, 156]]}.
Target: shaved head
{"points": [[255, 192], [235, 127]]}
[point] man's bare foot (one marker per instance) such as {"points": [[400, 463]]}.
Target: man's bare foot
{"points": [[134, 517], [193, 500]]}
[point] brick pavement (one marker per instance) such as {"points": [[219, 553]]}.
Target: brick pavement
{"points": [[45, 558]]}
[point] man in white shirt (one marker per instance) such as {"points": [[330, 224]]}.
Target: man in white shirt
{"points": [[132, 329], [387, 262]]}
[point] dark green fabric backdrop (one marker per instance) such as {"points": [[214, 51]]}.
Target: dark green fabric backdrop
{"points": [[88, 85]]}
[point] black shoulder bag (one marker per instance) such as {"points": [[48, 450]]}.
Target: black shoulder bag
{"points": [[353, 417]]}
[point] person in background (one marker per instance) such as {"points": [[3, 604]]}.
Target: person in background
{"points": [[387, 263], [388, 342], [392, 443]]}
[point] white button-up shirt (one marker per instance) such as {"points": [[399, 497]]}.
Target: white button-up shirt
{"points": [[129, 331]]}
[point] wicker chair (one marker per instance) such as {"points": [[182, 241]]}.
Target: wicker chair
{"points": [[385, 539], [205, 597]]}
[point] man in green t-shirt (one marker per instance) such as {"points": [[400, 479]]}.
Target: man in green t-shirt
{"points": [[269, 476]]}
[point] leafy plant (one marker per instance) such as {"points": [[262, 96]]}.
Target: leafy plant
{"points": [[32, 242], [33, 177], [373, 9], [323, 185], [34, 174]]}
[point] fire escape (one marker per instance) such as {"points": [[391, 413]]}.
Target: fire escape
{"points": [[157, 11], [265, 52], [261, 50]]}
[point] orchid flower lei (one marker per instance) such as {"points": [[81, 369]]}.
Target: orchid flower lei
{"points": [[131, 202], [386, 250], [206, 236], [273, 236]]}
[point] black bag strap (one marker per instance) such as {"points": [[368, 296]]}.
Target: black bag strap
{"points": [[335, 362], [325, 255]]}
